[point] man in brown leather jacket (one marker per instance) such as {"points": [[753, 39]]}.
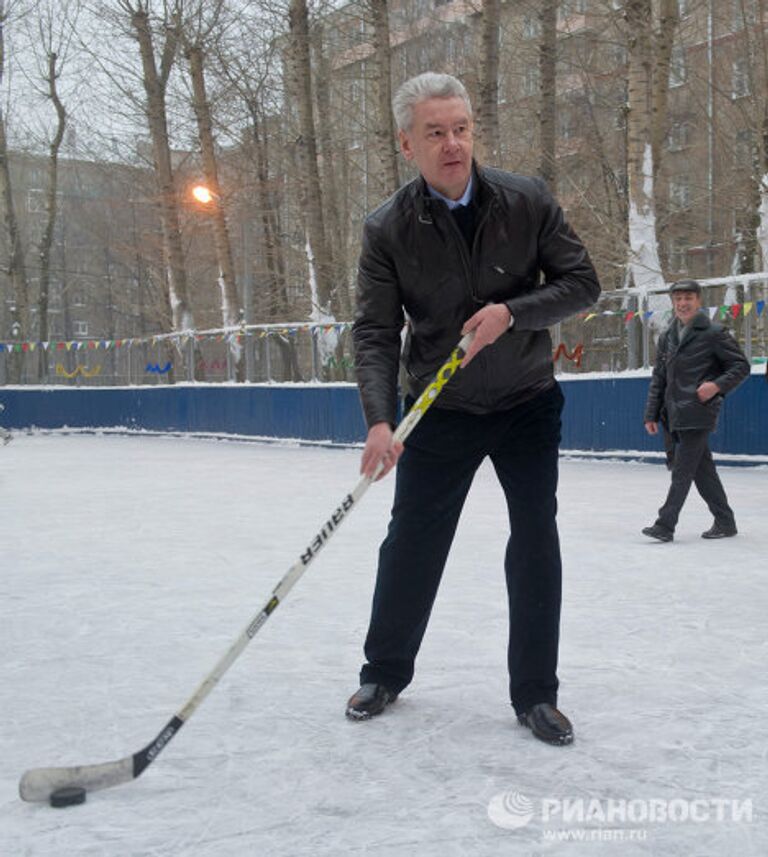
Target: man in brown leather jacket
{"points": [[697, 363], [465, 248]]}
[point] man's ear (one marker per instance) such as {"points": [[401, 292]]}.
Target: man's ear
{"points": [[405, 145]]}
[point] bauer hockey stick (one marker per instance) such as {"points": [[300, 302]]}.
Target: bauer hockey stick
{"points": [[40, 784]]}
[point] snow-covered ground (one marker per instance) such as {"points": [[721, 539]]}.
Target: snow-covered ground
{"points": [[130, 564]]}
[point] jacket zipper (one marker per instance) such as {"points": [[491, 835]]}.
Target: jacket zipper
{"points": [[469, 271], [467, 260]]}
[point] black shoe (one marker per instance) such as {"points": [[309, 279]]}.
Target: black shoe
{"points": [[547, 724], [719, 531], [658, 532], [369, 701]]}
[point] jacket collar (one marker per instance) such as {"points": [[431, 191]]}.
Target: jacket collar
{"points": [[699, 322], [426, 204]]}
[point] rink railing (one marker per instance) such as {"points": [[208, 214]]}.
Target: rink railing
{"points": [[617, 334]]}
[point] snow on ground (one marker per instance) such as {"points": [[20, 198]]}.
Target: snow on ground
{"points": [[130, 564]]}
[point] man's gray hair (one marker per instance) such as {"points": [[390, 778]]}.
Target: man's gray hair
{"points": [[420, 88]]}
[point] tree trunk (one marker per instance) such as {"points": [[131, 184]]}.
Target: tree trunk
{"points": [[276, 297], [488, 112], [388, 179], [155, 86], [300, 70], [229, 299], [51, 211], [548, 79], [643, 254], [335, 235], [15, 267], [665, 38]]}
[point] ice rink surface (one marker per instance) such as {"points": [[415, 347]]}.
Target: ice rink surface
{"points": [[129, 565]]}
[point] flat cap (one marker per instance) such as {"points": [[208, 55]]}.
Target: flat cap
{"points": [[685, 286]]}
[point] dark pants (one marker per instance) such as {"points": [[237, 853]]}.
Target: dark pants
{"points": [[691, 462], [433, 477]]}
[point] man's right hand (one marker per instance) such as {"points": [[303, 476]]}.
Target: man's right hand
{"points": [[380, 448], [652, 427]]}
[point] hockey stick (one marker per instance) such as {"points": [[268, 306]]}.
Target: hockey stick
{"points": [[38, 784]]}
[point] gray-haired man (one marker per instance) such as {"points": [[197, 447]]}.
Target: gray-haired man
{"points": [[462, 248]]}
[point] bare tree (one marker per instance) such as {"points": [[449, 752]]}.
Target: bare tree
{"points": [[155, 81], [55, 38], [384, 132], [15, 267], [300, 77], [488, 106], [644, 261], [335, 235], [548, 81], [196, 32], [669, 17]]}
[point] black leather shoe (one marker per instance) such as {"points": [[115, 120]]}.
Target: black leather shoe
{"points": [[718, 531], [658, 532], [369, 701], [547, 724]]}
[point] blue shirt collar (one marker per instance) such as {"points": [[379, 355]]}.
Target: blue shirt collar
{"points": [[465, 199]]}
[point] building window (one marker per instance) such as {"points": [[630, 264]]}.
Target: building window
{"points": [[744, 149], [572, 7], [743, 14], [618, 55], [683, 8], [80, 328], [531, 27], [679, 135], [679, 193], [531, 80], [678, 254], [566, 125], [35, 201], [740, 78], [677, 70]]}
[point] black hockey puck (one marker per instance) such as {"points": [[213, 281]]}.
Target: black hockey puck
{"points": [[68, 796]]}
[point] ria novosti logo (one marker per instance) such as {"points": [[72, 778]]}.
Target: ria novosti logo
{"points": [[510, 810]]}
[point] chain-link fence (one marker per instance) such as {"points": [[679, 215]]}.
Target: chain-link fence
{"points": [[617, 334]]}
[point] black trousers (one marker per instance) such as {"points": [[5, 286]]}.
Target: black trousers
{"points": [[691, 462], [432, 480]]}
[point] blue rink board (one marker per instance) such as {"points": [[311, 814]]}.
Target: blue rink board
{"points": [[600, 414]]}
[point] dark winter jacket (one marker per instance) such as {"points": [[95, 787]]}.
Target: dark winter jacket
{"points": [[415, 265], [707, 353]]}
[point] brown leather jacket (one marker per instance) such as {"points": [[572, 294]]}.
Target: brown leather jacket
{"points": [[415, 266]]}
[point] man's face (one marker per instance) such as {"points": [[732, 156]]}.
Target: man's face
{"points": [[440, 144], [686, 305]]}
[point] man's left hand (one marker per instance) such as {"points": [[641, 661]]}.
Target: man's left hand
{"points": [[488, 323], [707, 390]]}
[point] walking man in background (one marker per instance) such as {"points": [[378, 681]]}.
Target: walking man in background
{"points": [[465, 248], [697, 363]]}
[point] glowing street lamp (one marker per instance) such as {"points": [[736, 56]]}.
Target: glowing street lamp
{"points": [[203, 194]]}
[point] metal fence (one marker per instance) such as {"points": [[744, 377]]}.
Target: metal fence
{"points": [[618, 333]]}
